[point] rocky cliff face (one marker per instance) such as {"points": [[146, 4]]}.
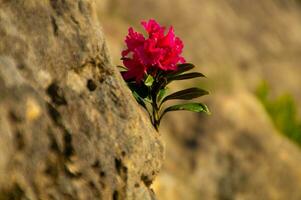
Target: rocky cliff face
{"points": [[236, 153], [69, 128]]}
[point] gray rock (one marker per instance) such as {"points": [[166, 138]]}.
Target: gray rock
{"points": [[69, 128]]}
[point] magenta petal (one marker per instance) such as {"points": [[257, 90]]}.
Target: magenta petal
{"points": [[134, 39], [135, 70], [153, 29], [169, 39], [125, 52], [157, 51]]}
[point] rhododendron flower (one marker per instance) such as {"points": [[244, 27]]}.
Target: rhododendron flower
{"points": [[146, 55], [153, 62]]}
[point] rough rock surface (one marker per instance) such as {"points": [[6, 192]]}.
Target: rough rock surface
{"points": [[69, 128]]}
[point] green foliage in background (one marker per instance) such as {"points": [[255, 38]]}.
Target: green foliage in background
{"points": [[283, 112]]}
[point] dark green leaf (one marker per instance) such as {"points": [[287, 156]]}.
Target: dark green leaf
{"points": [[182, 68], [187, 94], [194, 107], [141, 89], [185, 76], [149, 81], [139, 99], [159, 84], [161, 94]]}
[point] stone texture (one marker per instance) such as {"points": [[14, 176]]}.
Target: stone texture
{"points": [[69, 128]]}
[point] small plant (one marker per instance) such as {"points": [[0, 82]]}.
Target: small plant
{"points": [[151, 63], [283, 112]]}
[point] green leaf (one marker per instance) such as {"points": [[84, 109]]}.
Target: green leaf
{"points": [[141, 89], [194, 107], [139, 99], [185, 76], [149, 81], [122, 68], [161, 94], [181, 69], [159, 85], [187, 94]]}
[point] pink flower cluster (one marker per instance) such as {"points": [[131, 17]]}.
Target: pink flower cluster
{"points": [[157, 52]]}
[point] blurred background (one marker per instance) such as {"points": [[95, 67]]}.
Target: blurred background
{"points": [[250, 50]]}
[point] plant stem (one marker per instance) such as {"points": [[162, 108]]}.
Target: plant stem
{"points": [[156, 120], [155, 111]]}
